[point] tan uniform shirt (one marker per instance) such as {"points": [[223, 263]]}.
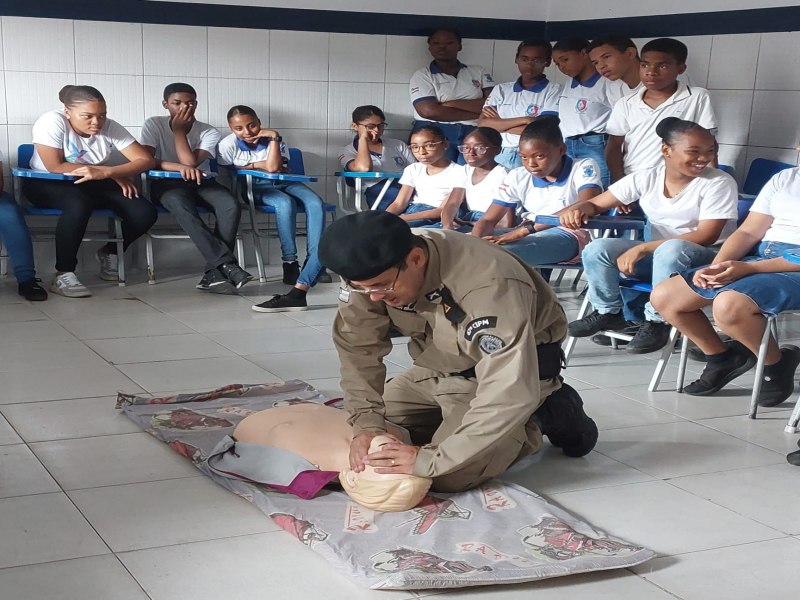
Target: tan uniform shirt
{"points": [[509, 310]]}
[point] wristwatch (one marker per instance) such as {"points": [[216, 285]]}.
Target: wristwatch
{"points": [[276, 138], [530, 226]]}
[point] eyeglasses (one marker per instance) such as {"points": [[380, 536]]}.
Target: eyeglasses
{"points": [[479, 150], [539, 62], [429, 146], [373, 126], [381, 291]]}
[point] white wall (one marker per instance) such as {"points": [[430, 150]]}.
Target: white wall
{"points": [[572, 10]]}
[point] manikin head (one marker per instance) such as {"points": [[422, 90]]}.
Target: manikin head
{"points": [[384, 492]]}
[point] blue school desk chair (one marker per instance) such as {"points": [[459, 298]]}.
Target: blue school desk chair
{"points": [[759, 173], [23, 171], [176, 233], [358, 200], [248, 176]]}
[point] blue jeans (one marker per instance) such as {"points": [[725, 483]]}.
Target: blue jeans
{"points": [[509, 158], [283, 197], [454, 133], [591, 146], [373, 191], [600, 264], [415, 208], [546, 247], [17, 238]]}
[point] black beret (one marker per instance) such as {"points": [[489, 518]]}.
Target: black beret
{"points": [[364, 245]]}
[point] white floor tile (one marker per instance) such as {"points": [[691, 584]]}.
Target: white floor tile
{"points": [[769, 495], [163, 513], [44, 528], [241, 320], [765, 570], [317, 364], [315, 316], [14, 313], [111, 460], [556, 473], [614, 585], [38, 356], [157, 348], [675, 449], [268, 565], [22, 474], [294, 339], [7, 433], [63, 309], [611, 411], [663, 518], [130, 326], [65, 419], [201, 302], [34, 331], [766, 430], [57, 384], [579, 385], [196, 373], [77, 579]]}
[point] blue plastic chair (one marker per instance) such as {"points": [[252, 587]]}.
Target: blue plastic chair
{"points": [[760, 172], [23, 171]]}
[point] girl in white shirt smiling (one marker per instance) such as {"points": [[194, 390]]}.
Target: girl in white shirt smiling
{"points": [[688, 204], [428, 183], [79, 141]]}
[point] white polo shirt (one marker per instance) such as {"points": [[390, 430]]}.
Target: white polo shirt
{"points": [[585, 107], [395, 157], [711, 195], [480, 195], [157, 134], [52, 129], [512, 100], [430, 83], [636, 121], [617, 90], [432, 189], [779, 200], [233, 151]]}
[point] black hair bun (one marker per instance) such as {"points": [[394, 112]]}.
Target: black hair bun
{"points": [[666, 125]]}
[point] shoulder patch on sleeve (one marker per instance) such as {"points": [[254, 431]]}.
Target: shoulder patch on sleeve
{"points": [[477, 325], [490, 343]]}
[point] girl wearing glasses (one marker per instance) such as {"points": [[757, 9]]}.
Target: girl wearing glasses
{"points": [[483, 177], [428, 183], [511, 106], [370, 151]]}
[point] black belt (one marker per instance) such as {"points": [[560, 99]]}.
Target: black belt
{"points": [[577, 137], [551, 361]]}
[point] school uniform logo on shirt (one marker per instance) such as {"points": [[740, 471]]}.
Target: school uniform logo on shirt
{"points": [[580, 105], [415, 89], [532, 110], [476, 83], [588, 171]]}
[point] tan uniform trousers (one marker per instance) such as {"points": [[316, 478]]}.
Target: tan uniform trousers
{"points": [[432, 408]]}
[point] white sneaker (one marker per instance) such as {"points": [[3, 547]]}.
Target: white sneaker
{"points": [[109, 265], [67, 284]]}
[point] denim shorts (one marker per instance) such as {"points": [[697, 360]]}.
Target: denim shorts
{"points": [[773, 293]]}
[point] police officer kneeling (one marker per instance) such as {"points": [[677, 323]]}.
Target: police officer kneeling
{"points": [[486, 334]]}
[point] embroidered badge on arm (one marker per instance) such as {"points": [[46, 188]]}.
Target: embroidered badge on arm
{"points": [[478, 325], [490, 344]]}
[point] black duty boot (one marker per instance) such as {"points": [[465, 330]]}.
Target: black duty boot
{"points": [[562, 419]]}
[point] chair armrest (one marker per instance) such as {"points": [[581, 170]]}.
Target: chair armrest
{"points": [[156, 174], [368, 175], [33, 174], [598, 222], [275, 176], [792, 255]]}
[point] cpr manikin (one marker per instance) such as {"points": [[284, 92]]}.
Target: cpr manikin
{"points": [[321, 435]]}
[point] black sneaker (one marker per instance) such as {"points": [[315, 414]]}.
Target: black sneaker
{"points": [[235, 274], [651, 336], [281, 303], [216, 283], [719, 373], [698, 355], [324, 277], [32, 291], [291, 271], [777, 382], [631, 328], [595, 323], [563, 420]]}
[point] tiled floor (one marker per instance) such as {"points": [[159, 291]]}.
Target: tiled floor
{"points": [[90, 507]]}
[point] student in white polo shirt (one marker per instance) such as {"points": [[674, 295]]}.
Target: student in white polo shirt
{"points": [[748, 278], [371, 151], [548, 182], [584, 105], [633, 144], [448, 93], [689, 206], [511, 106], [616, 58]]}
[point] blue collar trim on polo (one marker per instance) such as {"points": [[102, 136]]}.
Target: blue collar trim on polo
{"points": [[536, 87], [260, 145], [355, 145], [563, 175], [435, 68], [588, 83]]}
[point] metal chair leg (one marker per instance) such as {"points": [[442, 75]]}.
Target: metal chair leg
{"points": [[661, 367], [151, 267], [762, 353], [240, 258], [571, 341], [682, 364], [120, 252], [791, 426]]}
